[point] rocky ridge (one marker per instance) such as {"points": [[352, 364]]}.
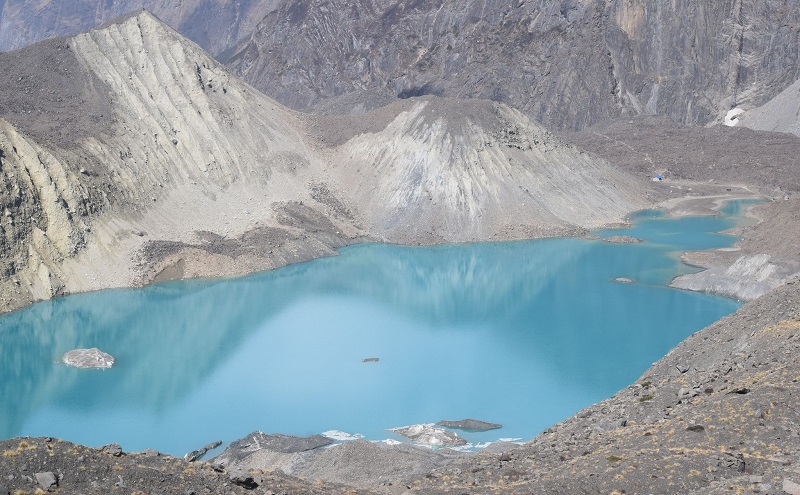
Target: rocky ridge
{"points": [[178, 170]]}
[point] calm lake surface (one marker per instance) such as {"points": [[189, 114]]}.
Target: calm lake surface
{"points": [[521, 333]]}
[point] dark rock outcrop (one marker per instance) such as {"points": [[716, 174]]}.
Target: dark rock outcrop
{"points": [[470, 425], [255, 441], [199, 453]]}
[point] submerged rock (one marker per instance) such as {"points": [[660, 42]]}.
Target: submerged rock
{"points": [[622, 239], [428, 434], [470, 425], [88, 358]]}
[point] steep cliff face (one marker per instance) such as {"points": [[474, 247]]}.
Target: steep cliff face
{"points": [[155, 163], [569, 63], [213, 24]]}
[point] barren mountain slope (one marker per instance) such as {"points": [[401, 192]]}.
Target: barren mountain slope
{"points": [[567, 63], [176, 169], [213, 24], [780, 114], [189, 161], [454, 170]]}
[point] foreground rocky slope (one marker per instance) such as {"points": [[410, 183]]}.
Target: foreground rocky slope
{"points": [[567, 64], [154, 163]]}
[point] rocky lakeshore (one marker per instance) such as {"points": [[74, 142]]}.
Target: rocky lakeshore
{"points": [[717, 412]]}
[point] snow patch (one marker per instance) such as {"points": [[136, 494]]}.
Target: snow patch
{"points": [[732, 117]]}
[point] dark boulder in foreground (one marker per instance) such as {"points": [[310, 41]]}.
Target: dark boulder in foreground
{"points": [[255, 441], [470, 425]]}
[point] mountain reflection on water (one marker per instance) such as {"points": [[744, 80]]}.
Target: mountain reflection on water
{"points": [[521, 333]]}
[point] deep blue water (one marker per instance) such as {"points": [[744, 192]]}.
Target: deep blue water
{"points": [[519, 333]]}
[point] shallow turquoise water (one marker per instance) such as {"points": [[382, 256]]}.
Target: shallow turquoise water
{"points": [[520, 333]]}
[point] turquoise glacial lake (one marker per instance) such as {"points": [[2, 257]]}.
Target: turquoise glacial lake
{"points": [[519, 333]]}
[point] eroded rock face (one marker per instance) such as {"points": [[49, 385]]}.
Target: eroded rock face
{"points": [[88, 358], [568, 63]]}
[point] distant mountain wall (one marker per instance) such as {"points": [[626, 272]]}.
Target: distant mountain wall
{"points": [[568, 63], [213, 24]]}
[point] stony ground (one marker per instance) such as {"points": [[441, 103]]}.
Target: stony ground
{"points": [[40, 465]]}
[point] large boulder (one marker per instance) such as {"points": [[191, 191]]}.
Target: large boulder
{"points": [[88, 358]]}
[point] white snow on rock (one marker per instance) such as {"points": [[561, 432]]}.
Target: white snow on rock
{"points": [[88, 358], [732, 117], [428, 434]]}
